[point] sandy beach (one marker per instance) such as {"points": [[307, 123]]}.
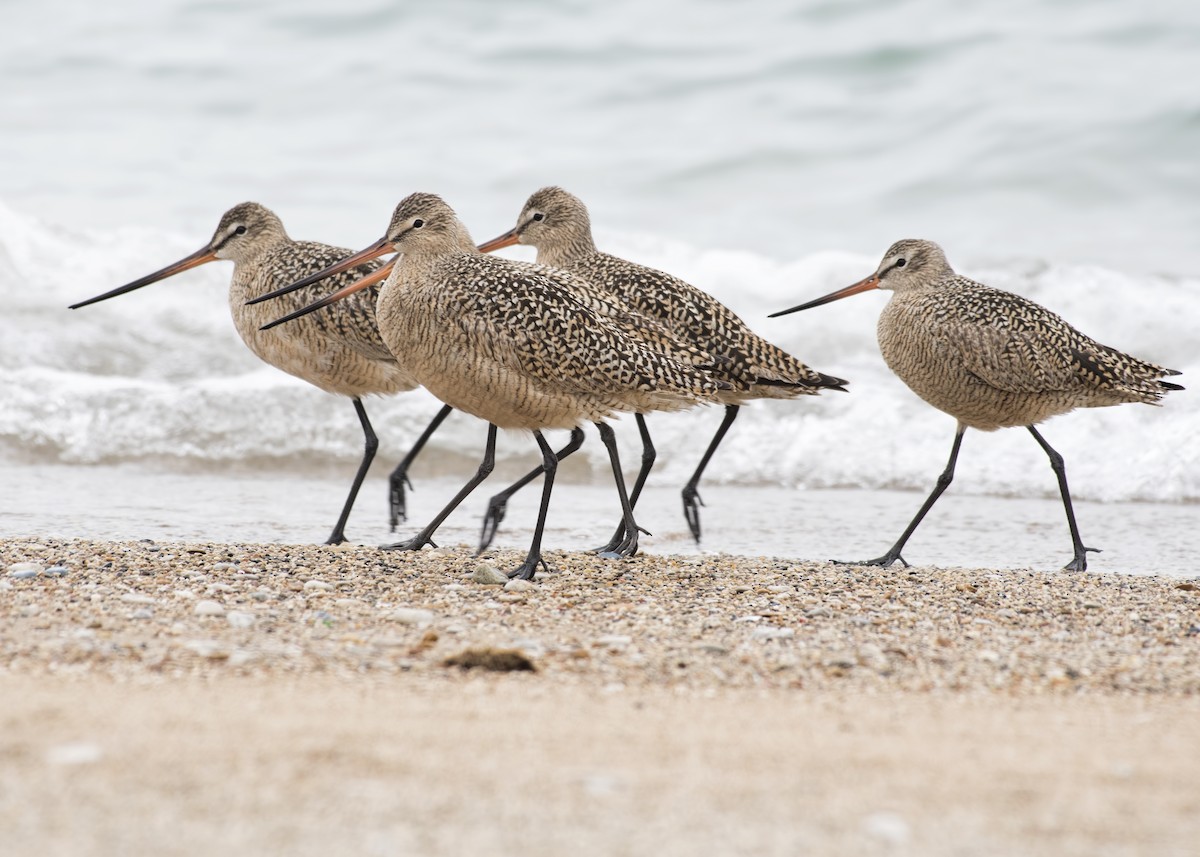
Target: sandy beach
{"points": [[186, 671], [181, 698]]}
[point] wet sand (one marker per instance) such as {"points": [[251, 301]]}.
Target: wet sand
{"points": [[180, 698], [289, 505]]}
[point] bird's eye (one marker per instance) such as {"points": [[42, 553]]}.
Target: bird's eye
{"points": [[900, 263], [539, 216], [418, 223], [241, 230]]}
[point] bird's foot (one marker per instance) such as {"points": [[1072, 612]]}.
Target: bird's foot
{"points": [[337, 538], [620, 545], [528, 568], [1080, 561], [497, 506], [879, 561], [624, 549], [413, 544], [397, 508], [691, 510]]}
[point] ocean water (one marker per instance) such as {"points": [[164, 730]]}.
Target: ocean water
{"points": [[767, 152]]}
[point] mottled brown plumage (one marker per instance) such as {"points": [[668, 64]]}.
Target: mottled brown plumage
{"points": [[521, 346], [992, 359], [340, 352], [558, 225]]}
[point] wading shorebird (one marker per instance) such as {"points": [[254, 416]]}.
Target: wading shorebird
{"points": [[991, 360], [341, 353], [557, 224], [520, 346]]}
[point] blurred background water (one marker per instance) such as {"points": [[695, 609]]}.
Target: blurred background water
{"points": [[767, 151], [1064, 130]]}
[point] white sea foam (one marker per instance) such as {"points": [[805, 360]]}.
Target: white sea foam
{"points": [[161, 375]]}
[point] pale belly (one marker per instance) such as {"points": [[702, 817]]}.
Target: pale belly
{"points": [[308, 354]]}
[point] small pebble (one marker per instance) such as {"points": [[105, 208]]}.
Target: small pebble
{"points": [[613, 642], [57, 571], [842, 660], [240, 619], [209, 608], [601, 785], [213, 650], [413, 616], [887, 827], [23, 570], [240, 657], [768, 632], [531, 646], [518, 585], [318, 586], [489, 575], [76, 753]]}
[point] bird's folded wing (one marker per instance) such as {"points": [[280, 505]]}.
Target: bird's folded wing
{"points": [[536, 327], [1008, 358]]}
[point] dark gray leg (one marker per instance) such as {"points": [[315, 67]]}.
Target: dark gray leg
{"points": [[499, 503], [372, 444], [691, 496], [534, 558], [629, 544], [943, 482], [397, 511], [425, 537], [648, 456], [1079, 563]]}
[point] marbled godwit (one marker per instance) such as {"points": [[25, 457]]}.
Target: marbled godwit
{"points": [[991, 360], [520, 346], [558, 225], [340, 353], [498, 504]]}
